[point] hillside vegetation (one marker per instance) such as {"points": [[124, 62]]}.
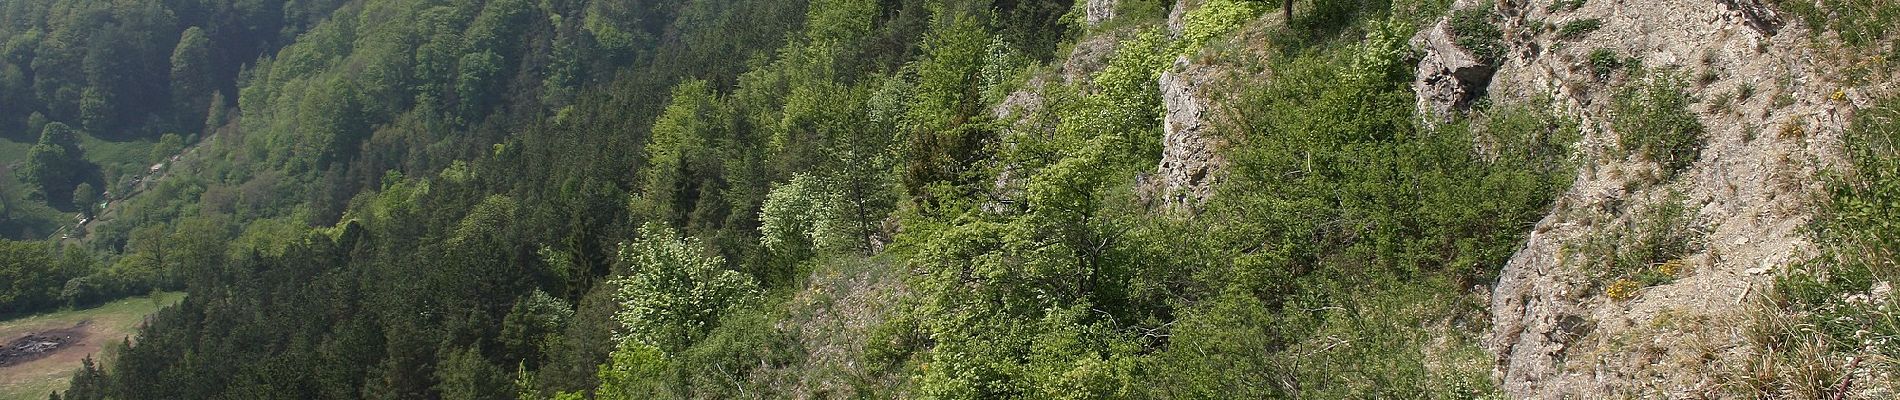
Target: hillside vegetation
{"points": [[573, 199]]}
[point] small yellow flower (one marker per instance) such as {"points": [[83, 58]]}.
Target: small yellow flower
{"points": [[1672, 268], [1839, 95], [1623, 289]]}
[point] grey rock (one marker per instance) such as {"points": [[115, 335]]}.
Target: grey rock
{"points": [[1177, 16], [1088, 57], [1555, 331], [1095, 12], [1190, 162], [1449, 77], [1758, 15]]}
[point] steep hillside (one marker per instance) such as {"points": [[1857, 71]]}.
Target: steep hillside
{"points": [[1724, 219], [1642, 280], [615, 199]]}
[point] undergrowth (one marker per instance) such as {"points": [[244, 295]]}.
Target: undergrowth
{"points": [[1473, 29], [1650, 249], [1565, 5], [1578, 28], [1860, 23], [1652, 120]]}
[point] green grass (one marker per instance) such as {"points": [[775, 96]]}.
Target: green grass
{"points": [[98, 151], [1831, 305], [1578, 28], [1604, 62], [112, 321], [12, 152], [1858, 22], [128, 156], [35, 220], [26, 219]]}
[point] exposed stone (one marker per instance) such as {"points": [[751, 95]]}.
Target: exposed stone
{"points": [[1088, 56], [1190, 162], [1449, 77], [1020, 104], [1555, 333], [1177, 16], [1095, 12], [1758, 15]]}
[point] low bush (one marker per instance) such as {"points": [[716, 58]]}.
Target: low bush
{"points": [[1652, 120], [1604, 62], [1474, 29], [1565, 5]]}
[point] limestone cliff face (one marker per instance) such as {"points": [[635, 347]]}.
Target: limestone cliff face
{"points": [[1191, 94], [1772, 122], [1191, 163]]}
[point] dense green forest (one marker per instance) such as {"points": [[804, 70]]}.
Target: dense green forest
{"points": [[632, 199]]}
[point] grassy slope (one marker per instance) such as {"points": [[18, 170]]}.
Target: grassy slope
{"points": [[127, 156], [110, 323]]}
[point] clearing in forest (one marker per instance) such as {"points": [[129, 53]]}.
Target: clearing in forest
{"points": [[39, 353]]}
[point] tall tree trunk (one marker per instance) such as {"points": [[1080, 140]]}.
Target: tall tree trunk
{"points": [[1286, 9]]}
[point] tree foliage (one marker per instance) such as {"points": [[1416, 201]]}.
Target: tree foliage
{"points": [[673, 292], [632, 199]]}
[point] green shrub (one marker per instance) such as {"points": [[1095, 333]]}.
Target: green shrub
{"points": [[1578, 28], [1652, 120], [1604, 62], [673, 292], [1369, 223], [1215, 18], [1649, 249], [1565, 5], [1473, 29]]}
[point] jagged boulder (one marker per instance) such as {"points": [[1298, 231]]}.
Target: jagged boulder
{"points": [[1449, 77], [1190, 162]]}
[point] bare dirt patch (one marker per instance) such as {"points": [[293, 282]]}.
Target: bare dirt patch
{"points": [[96, 331], [38, 345]]}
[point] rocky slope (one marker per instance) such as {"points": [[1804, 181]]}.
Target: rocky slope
{"points": [[1772, 123], [1771, 117], [1191, 163]]}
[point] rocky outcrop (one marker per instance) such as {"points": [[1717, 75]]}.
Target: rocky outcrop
{"points": [[1449, 77], [1758, 15], [1190, 161], [1088, 56], [1555, 332], [1177, 15], [1095, 12]]}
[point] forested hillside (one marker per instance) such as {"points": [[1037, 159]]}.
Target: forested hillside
{"points": [[126, 76], [633, 199]]}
